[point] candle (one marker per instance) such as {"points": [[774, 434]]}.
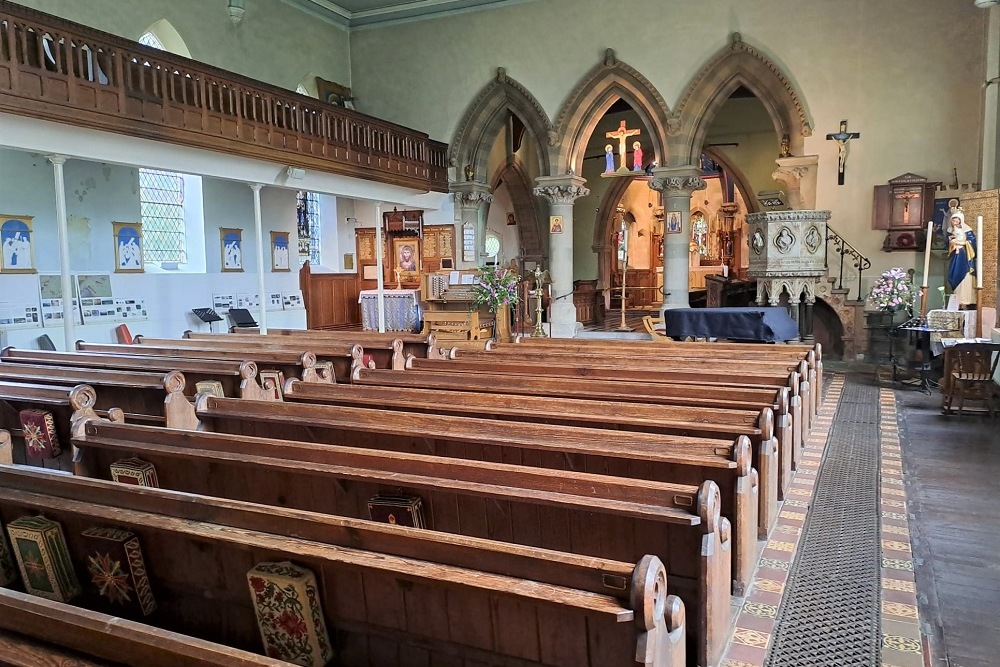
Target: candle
{"points": [[979, 252], [927, 251]]}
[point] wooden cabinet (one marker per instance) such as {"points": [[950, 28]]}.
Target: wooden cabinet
{"points": [[902, 208]]}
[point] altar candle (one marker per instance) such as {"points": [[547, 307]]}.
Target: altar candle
{"points": [[927, 251], [979, 252]]}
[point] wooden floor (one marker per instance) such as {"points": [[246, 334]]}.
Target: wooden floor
{"points": [[952, 472]]}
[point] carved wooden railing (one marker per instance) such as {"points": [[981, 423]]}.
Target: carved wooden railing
{"points": [[59, 70]]}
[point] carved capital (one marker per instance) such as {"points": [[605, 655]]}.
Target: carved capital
{"points": [[678, 186], [789, 174], [730, 209], [472, 198], [561, 194]]}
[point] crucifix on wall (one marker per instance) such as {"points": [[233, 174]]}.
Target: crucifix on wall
{"points": [[842, 138], [621, 134]]}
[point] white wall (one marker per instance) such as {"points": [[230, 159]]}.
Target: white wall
{"points": [[98, 195]]}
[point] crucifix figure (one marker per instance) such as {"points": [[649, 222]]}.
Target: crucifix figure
{"points": [[842, 138], [622, 134], [906, 197]]}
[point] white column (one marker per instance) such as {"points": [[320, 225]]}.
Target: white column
{"points": [[676, 184], [62, 226], [379, 264], [262, 296], [991, 104], [471, 198], [561, 192]]}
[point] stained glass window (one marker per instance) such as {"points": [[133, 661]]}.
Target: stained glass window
{"points": [[161, 198], [308, 228]]}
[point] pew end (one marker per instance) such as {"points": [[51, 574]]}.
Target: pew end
{"points": [[659, 616]]}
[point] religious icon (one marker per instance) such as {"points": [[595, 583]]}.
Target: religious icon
{"points": [[962, 250], [843, 138], [636, 156], [406, 252], [609, 160], [232, 249], [673, 225], [555, 224], [279, 252], [785, 150], [783, 242], [621, 134], [18, 245], [510, 219], [128, 247]]}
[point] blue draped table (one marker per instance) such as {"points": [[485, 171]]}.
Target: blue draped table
{"points": [[761, 325]]}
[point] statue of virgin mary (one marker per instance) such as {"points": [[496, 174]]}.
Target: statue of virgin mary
{"points": [[962, 259]]}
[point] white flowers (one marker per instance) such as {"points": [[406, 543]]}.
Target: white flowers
{"points": [[893, 291]]}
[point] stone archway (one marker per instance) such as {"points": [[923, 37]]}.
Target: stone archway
{"points": [[739, 64], [485, 118], [520, 188], [590, 100]]}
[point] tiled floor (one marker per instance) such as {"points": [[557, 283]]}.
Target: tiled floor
{"points": [[901, 644]]}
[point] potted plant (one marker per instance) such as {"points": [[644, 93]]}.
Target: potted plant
{"points": [[497, 290]]}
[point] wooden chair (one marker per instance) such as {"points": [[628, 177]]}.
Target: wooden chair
{"points": [[654, 327], [972, 368]]}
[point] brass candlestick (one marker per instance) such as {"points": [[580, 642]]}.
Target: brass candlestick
{"points": [[623, 326], [541, 277], [923, 303]]}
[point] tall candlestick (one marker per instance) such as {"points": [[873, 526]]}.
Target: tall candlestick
{"points": [[979, 252], [927, 252]]}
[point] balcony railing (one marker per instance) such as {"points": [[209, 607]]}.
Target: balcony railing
{"points": [[58, 70]]}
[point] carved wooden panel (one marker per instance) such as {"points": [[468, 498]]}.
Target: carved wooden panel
{"points": [[986, 204]]}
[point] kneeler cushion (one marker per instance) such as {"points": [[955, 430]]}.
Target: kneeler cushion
{"points": [[40, 439], [289, 616], [42, 555], [118, 572], [134, 471]]}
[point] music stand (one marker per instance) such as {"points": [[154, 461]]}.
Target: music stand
{"points": [[207, 315], [241, 318]]}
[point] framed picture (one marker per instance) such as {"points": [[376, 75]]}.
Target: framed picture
{"points": [[555, 224], [673, 222], [279, 252], [406, 255], [18, 243], [348, 261], [128, 247], [232, 249]]}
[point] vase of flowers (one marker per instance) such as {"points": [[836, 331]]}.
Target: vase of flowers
{"points": [[496, 290], [893, 291]]}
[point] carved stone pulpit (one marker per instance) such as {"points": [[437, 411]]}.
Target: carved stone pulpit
{"points": [[788, 254]]}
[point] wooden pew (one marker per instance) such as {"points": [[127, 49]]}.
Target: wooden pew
{"points": [[682, 420], [384, 352], [716, 374], [339, 356], [665, 458], [812, 353], [147, 398], [578, 513], [388, 592], [68, 405], [238, 378], [785, 407], [419, 345], [296, 363]]}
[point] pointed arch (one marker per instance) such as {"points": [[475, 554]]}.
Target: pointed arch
{"points": [[485, 118], [165, 33], [520, 187], [590, 100], [738, 64], [742, 182]]}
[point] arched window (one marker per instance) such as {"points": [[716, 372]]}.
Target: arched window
{"points": [[150, 39]]}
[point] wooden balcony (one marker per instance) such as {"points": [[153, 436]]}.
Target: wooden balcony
{"points": [[62, 71]]}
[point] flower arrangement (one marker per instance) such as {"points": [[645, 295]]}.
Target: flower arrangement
{"points": [[496, 286], [893, 291]]}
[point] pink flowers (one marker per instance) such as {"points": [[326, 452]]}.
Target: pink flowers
{"points": [[497, 286], [893, 290]]}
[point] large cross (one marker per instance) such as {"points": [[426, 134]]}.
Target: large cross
{"points": [[842, 138], [621, 134]]}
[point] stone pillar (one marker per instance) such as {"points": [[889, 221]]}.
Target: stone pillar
{"points": [[798, 175], [676, 184], [471, 199], [561, 192], [991, 103]]}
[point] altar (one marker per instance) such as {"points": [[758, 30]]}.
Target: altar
{"points": [[758, 324], [401, 308]]}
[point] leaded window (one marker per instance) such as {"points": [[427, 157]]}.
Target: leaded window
{"points": [[161, 198]]}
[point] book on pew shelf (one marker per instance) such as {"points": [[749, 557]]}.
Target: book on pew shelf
{"points": [[213, 387], [40, 438], [118, 572], [8, 568], [134, 471], [397, 510], [43, 558], [289, 615]]}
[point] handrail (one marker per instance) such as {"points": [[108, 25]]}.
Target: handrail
{"points": [[72, 73], [843, 248]]}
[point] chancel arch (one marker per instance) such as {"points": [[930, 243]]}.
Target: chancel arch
{"points": [[737, 65], [487, 116], [514, 176], [606, 84]]}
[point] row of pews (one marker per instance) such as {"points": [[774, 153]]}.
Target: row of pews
{"points": [[544, 502]]}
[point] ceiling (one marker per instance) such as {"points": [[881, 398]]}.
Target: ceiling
{"points": [[357, 13]]}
